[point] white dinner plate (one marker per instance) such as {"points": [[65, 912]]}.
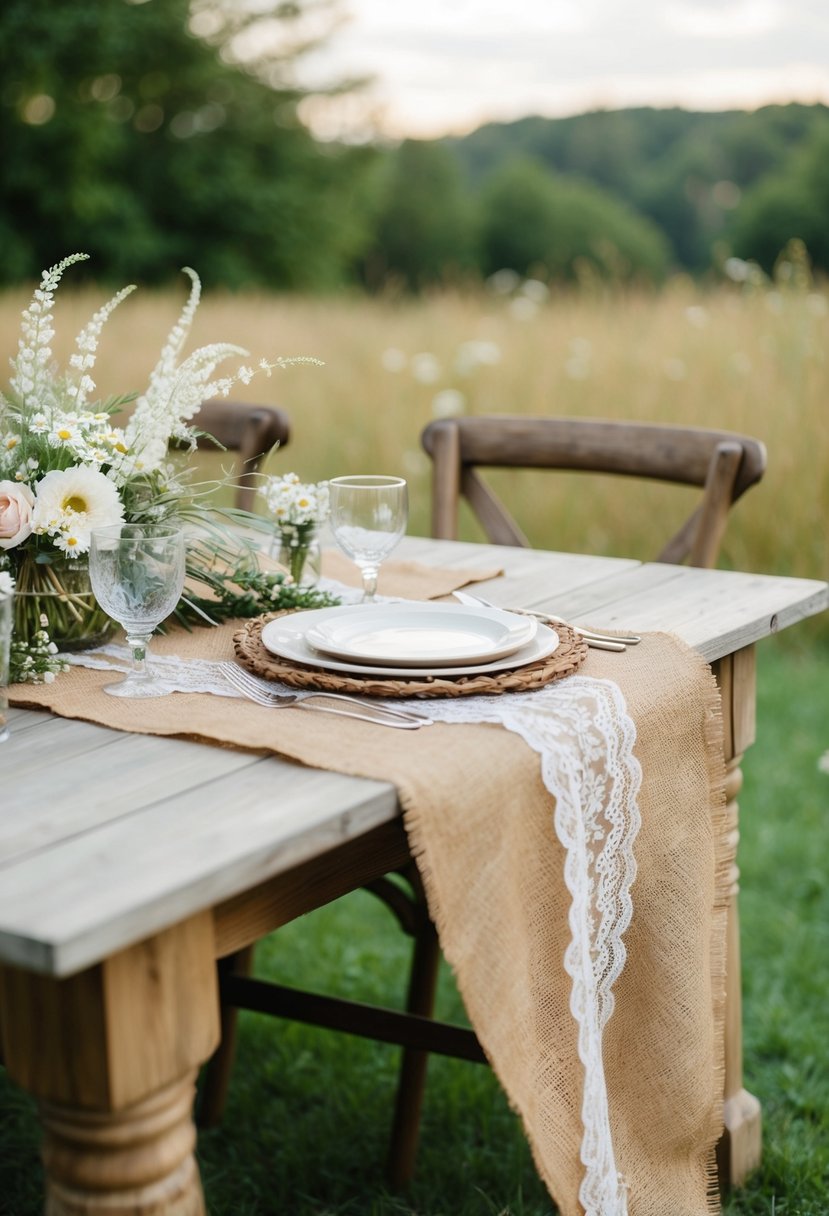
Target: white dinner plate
{"points": [[420, 635], [285, 638]]}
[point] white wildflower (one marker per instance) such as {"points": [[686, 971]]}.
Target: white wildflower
{"points": [[425, 368], [475, 353], [535, 290], [697, 316], [393, 360], [290, 501], [69, 503], [503, 282], [523, 308], [448, 403], [737, 270], [87, 342], [30, 379], [63, 433], [577, 365], [69, 543]]}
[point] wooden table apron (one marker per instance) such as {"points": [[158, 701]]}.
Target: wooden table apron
{"points": [[108, 1028]]}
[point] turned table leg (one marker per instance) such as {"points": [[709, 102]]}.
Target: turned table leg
{"points": [[111, 1055], [740, 1148]]}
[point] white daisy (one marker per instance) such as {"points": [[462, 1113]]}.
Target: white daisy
{"points": [[69, 503]]}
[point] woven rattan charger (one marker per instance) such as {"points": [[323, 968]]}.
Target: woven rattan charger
{"points": [[251, 653]]}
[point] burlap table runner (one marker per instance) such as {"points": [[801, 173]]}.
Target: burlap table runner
{"points": [[480, 825]]}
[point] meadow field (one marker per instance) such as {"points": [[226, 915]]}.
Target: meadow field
{"points": [[309, 1111], [750, 358]]}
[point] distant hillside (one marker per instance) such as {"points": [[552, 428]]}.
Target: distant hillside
{"points": [[688, 172]]}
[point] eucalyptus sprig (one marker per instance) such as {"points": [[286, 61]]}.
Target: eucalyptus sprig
{"points": [[244, 592]]}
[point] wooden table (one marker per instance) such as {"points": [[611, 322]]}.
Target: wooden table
{"points": [[129, 863]]}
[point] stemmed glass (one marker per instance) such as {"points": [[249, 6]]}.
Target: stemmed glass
{"points": [[368, 517], [137, 575]]}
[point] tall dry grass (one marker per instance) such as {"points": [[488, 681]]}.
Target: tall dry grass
{"points": [[747, 360]]}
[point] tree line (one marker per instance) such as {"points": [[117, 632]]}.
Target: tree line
{"points": [[132, 132]]}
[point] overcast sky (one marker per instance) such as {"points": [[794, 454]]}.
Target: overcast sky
{"points": [[449, 65]]}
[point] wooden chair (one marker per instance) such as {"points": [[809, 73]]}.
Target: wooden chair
{"points": [[250, 430], [723, 464], [368, 864]]}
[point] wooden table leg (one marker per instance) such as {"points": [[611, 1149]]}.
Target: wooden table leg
{"points": [[111, 1054], [740, 1148]]}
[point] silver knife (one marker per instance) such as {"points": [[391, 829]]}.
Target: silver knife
{"points": [[597, 641]]}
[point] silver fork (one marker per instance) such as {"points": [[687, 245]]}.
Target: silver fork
{"points": [[600, 641], [249, 687]]}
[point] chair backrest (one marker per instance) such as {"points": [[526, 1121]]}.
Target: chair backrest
{"points": [[250, 430], [721, 463]]}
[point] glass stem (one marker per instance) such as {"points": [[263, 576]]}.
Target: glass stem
{"points": [[139, 644], [369, 574]]}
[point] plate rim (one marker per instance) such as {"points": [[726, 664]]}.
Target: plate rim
{"points": [[542, 645], [512, 637]]}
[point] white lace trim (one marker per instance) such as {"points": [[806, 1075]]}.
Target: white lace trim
{"points": [[581, 730]]}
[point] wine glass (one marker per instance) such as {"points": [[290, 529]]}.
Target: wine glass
{"points": [[137, 574], [368, 517]]}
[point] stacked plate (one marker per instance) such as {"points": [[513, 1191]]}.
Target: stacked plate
{"points": [[398, 640]]}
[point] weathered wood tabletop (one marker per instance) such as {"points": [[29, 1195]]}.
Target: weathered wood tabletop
{"points": [[116, 849]]}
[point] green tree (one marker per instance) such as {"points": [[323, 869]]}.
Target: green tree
{"points": [[789, 204], [685, 171], [133, 139], [424, 223], [535, 221]]}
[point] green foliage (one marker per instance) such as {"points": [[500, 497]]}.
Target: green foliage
{"points": [[243, 592], [685, 171], [135, 140], [557, 227], [424, 226], [129, 135], [791, 203]]}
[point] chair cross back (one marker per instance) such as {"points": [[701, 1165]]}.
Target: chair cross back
{"points": [[250, 430], [723, 464]]}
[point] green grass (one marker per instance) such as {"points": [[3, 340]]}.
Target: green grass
{"points": [[306, 1126]]}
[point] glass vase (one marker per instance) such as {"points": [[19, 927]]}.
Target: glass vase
{"points": [[6, 611], [297, 548], [60, 592]]}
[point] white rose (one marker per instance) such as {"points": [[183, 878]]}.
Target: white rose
{"points": [[16, 505]]}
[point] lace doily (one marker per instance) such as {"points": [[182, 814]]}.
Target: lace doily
{"points": [[584, 735]]}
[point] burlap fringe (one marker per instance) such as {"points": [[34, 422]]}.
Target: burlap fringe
{"points": [[724, 859]]}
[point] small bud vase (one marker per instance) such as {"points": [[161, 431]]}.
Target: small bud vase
{"points": [[297, 548], [57, 596]]}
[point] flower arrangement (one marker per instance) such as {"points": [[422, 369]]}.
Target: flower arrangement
{"points": [[297, 510], [66, 468]]}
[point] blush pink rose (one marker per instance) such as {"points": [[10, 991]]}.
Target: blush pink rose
{"points": [[16, 505]]}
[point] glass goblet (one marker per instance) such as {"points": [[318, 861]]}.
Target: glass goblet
{"points": [[137, 574], [368, 516]]}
